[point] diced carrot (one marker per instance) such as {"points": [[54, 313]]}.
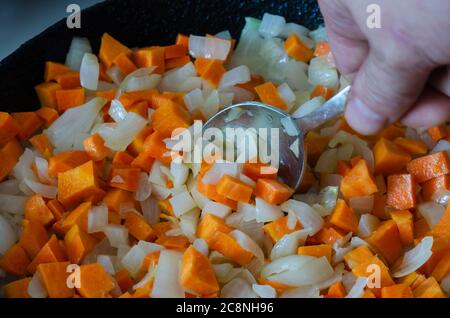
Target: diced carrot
{"points": [[144, 161], [316, 251], [108, 94], [442, 228], [138, 227], [137, 145], [379, 206], [95, 147], [308, 180], [401, 191], [9, 155], [182, 40], [8, 128], [210, 70], [272, 191], [124, 63], [168, 117], [175, 50], [442, 268], [329, 235], [129, 98], [388, 157], [386, 239], [438, 132], [56, 208], [279, 228], [359, 181], [337, 290], [421, 228], [429, 289], [364, 270], [33, 237], [197, 273], [54, 277], [110, 48], [78, 243], [78, 216], [179, 243], [15, 261], [65, 161], [155, 147], [153, 56], [68, 98], [322, 48], [358, 256], [122, 158], [209, 225], [115, 197], [177, 62], [342, 167], [49, 253], [392, 131], [268, 94], [124, 280], [210, 191], [254, 81], [428, 167], [296, 49], [17, 288], [433, 186], [397, 291], [94, 281], [259, 170], [228, 246], [53, 69], [234, 189], [343, 217], [69, 80], [37, 211], [28, 123], [79, 184], [315, 144], [414, 147], [405, 225], [125, 178], [323, 91], [46, 93], [42, 144]]}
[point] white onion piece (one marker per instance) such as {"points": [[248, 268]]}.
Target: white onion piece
{"points": [[442, 145], [42, 170], [266, 212], [237, 75], [213, 175], [144, 188], [327, 161], [182, 203], [414, 258], [125, 132], [288, 244], [358, 288], [22, 170], [36, 288], [211, 105], [194, 100], [320, 72], [320, 34], [9, 187], [166, 283], [290, 28], [237, 288], [133, 258], [368, 223], [362, 204], [12, 203], [106, 262], [345, 152], [264, 291], [116, 234], [336, 277], [115, 73], [302, 292], [89, 71], [308, 107], [7, 235], [271, 25], [241, 95], [45, 190], [200, 199], [308, 217], [217, 209], [150, 210], [286, 94], [247, 243], [117, 111], [188, 223], [97, 218], [291, 220], [209, 48], [78, 47], [432, 212], [180, 173], [156, 175], [141, 83], [160, 192], [76, 120], [201, 246]]}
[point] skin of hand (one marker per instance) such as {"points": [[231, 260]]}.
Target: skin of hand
{"points": [[400, 71]]}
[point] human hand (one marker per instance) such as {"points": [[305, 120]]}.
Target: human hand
{"points": [[400, 71]]}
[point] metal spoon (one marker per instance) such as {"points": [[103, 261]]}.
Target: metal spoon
{"points": [[292, 156]]}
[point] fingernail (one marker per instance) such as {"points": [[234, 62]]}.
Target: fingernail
{"points": [[362, 118]]}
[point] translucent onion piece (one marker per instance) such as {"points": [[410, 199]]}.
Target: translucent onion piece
{"points": [[308, 107], [358, 288], [97, 218], [78, 47], [194, 100], [432, 212], [188, 223], [89, 71], [237, 75], [237, 288], [320, 72], [201, 246], [45, 190], [166, 283], [106, 262], [7, 235], [180, 173], [116, 234], [414, 258], [125, 132], [271, 25], [209, 48], [144, 188], [327, 161], [247, 243], [264, 291], [290, 28], [266, 212], [182, 203], [368, 223], [302, 292], [36, 288], [308, 217], [9, 187], [288, 244], [217, 209], [362, 204], [117, 111]]}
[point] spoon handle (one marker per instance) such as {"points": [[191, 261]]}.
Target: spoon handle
{"points": [[331, 109]]}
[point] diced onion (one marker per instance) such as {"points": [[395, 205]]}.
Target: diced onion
{"points": [[327, 161], [271, 25], [78, 47], [42, 170], [188, 223], [264, 291], [213, 175], [201, 246], [362, 204], [7, 235], [194, 100], [308, 217], [301, 292], [432, 212], [97, 218], [106, 262], [368, 223], [150, 210], [288, 244], [166, 283], [414, 258], [217, 209], [117, 111], [237, 75], [144, 189], [45, 190], [237, 288], [125, 132], [358, 288], [266, 212], [247, 243], [116, 234], [320, 72], [132, 260], [286, 94], [182, 203], [290, 28], [36, 288], [89, 71], [320, 34], [9, 187], [209, 48]]}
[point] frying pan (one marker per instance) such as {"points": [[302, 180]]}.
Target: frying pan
{"points": [[135, 23]]}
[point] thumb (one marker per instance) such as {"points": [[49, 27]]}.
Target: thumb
{"points": [[383, 90]]}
